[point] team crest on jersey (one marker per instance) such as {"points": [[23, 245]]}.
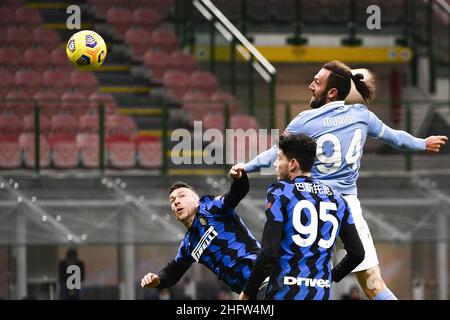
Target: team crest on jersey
{"points": [[202, 221]]}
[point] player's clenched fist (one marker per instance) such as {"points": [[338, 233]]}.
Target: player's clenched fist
{"points": [[150, 280], [236, 170]]}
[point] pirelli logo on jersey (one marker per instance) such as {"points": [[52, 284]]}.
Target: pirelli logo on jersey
{"points": [[204, 242], [290, 281]]}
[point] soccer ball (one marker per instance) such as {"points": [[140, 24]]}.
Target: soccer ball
{"points": [[86, 50]]}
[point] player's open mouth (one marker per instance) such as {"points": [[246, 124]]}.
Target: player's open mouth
{"points": [[179, 210]]}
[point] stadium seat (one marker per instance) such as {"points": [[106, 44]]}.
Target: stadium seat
{"points": [[149, 151], [8, 17], [10, 156], [28, 123], [197, 104], [120, 18], [11, 58], [46, 38], [64, 153], [27, 144], [213, 120], [89, 123], [220, 98], [59, 59], [29, 80], [177, 83], [20, 37], [63, 124], [85, 82], [37, 58], [138, 39], [48, 101], [164, 40], [146, 18], [28, 17], [7, 83], [205, 82], [183, 62], [120, 152], [74, 103], [55, 80], [18, 102], [158, 63], [87, 145], [243, 122], [119, 125], [10, 125], [107, 99]]}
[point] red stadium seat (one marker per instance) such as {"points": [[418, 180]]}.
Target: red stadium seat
{"points": [[37, 58], [28, 123], [120, 18], [8, 17], [177, 83], [49, 102], [10, 156], [139, 40], [87, 145], [110, 104], [18, 102], [164, 40], [10, 125], [119, 125], [28, 17], [183, 61], [27, 144], [213, 120], [146, 18], [204, 82], [59, 59], [29, 80], [85, 82], [74, 103], [64, 124], [64, 151], [158, 63], [120, 152], [19, 37], [149, 151], [243, 122], [55, 80], [89, 123], [197, 104], [11, 58], [46, 38], [7, 83], [220, 98]]}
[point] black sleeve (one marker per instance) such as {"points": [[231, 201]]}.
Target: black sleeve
{"points": [[353, 246], [172, 273], [239, 188], [266, 257]]}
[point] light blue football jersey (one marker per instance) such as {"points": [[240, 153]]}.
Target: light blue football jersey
{"points": [[340, 131]]}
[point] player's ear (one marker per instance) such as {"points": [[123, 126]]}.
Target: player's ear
{"points": [[332, 93]]}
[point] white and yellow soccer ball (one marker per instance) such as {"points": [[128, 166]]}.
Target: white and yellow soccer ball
{"points": [[86, 49]]}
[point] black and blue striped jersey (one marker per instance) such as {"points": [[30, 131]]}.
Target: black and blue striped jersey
{"points": [[304, 219], [218, 239]]}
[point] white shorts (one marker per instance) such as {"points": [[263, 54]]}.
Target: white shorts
{"points": [[370, 258]]}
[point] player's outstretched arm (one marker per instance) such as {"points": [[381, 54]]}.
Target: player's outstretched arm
{"points": [[239, 188], [433, 144], [150, 280]]}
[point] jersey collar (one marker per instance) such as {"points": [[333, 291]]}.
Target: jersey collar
{"points": [[333, 104]]}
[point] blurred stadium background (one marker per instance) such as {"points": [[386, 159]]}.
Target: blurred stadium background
{"points": [[171, 62]]}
